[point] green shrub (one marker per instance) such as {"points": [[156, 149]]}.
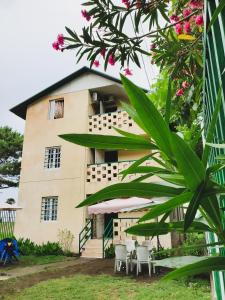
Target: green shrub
{"points": [[27, 247], [194, 239], [110, 251]]}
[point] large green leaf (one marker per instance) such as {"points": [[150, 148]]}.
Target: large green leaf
{"points": [[206, 265], [211, 207], [135, 164], [98, 141], [145, 169], [216, 13], [173, 178], [189, 164], [133, 114], [193, 206], [131, 135], [133, 189], [154, 123], [169, 205], [212, 126], [149, 229]]}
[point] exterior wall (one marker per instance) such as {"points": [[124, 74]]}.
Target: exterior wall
{"points": [[67, 182]]}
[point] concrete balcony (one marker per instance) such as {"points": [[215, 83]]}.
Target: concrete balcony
{"points": [[104, 174], [104, 123]]}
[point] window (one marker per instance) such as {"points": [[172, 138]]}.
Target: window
{"points": [[49, 207], [52, 157], [56, 109]]}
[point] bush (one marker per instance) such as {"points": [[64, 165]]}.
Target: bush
{"points": [[110, 251], [194, 239], [27, 247]]}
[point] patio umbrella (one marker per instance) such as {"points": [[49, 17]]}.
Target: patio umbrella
{"points": [[123, 205]]}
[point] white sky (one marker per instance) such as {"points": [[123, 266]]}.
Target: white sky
{"points": [[28, 63]]}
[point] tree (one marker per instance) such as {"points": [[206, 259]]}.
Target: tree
{"points": [[10, 155]]}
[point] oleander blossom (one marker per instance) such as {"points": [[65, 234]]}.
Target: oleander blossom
{"points": [[103, 52], [187, 12], [196, 4], [178, 28], [128, 72], [187, 27], [174, 18], [96, 63], [152, 46], [111, 60], [55, 45], [127, 3], [138, 4], [180, 92], [60, 39], [86, 15], [199, 20], [185, 84]]}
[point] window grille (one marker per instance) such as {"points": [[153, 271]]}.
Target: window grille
{"points": [[49, 208], [52, 157]]}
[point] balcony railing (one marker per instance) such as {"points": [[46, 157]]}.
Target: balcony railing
{"points": [[107, 172], [105, 122]]}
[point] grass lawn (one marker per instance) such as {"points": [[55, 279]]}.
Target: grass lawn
{"points": [[41, 260], [32, 260], [102, 287]]}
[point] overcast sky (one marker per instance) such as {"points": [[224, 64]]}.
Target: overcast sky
{"points": [[28, 63]]}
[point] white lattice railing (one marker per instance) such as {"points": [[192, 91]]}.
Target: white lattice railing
{"points": [[106, 172], [118, 119]]}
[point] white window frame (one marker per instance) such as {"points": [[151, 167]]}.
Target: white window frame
{"points": [[52, 109], [52, 159], [49, 209]]}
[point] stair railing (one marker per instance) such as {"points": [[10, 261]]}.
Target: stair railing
{"points": [[85, 234], [107, 236]]}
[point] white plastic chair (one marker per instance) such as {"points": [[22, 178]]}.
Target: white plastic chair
{"points": [[130, 244], [121, 256], [143, 257]]}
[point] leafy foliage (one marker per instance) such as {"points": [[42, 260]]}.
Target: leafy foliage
{"points": [[10, 155]]}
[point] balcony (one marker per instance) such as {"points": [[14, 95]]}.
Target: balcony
{"points": [[104, 174], [104, 123]]}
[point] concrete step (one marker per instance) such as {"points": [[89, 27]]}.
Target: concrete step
{"points": [[93, 249]]}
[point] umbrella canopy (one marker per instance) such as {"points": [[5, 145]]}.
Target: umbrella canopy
{"points": [[6, 206], [123, 205]]}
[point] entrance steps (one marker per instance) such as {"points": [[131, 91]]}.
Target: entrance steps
{"points": [[93, 249]]}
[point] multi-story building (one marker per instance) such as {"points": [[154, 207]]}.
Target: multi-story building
{"points": [[57, 175]]}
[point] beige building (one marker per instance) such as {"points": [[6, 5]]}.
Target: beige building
{"points": [[57, 175]]}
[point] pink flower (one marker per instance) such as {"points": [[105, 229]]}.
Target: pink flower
{"points": [[174, 19], [199, 20], [96, 63], [138, 4], [103, 52], [60, 39], [86, 15], [111, 60], [178, 28], [152, 46], [126, 2], [187, 12], [180, 92], [55, 45], [196, 4], [185, 84], [128, 72], [187, 27]]}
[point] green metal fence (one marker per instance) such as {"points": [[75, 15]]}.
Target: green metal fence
{"points": [[214, 78]]}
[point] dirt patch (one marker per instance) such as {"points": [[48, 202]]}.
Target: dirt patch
{"points": [[88, 267]]}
